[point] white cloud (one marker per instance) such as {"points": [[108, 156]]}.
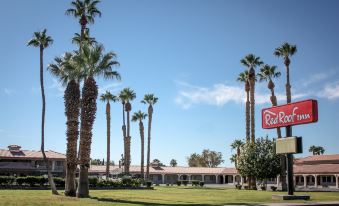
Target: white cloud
{"points": [[221, 94], [58, 86], [330, 91], [8, 92], [110, 87]]}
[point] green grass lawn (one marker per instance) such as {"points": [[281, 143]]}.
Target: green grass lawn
{"points": [[158, 196]]}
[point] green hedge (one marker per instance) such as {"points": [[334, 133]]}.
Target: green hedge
{"points": [[5, 180]]}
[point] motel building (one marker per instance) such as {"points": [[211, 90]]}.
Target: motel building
{"points": [[312, 172]]}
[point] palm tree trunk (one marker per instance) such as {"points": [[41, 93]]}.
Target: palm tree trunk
{"points": [[124, 135], [252, 83], [88, 111], [128, 143], [247, 117], [141, 128], [49, 173], [150, 113], [108, 118], [72, 110]]}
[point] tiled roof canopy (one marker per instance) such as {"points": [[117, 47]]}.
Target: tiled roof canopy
{"points": [[30, 154]]}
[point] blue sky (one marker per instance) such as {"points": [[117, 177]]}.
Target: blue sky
{"points": [[187, 53]]}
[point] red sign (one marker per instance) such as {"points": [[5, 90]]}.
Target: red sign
{"points": [[302, 112]]}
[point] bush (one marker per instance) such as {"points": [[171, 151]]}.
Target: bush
{"points": [[201, 183], [20, 180], [167, 184], [4, 180], [263, 187], [149, 184], [178, 183], [238, 186], [127, 181], [93, 181], [185, 182], [195, 182], [59, 182], [273, 188]]}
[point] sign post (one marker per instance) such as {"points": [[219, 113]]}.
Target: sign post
{"points": [[296, 113]]}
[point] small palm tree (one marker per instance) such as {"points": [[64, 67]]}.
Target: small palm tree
{"points": [[234, 159], [316, 150], [286, 51], [243, 77], [70, 76], [107, 97], [128, 95], [251, 62], [122, 98], [149, 99], [42, 41], [268, 73], [87, 39], [237, 144], [95, 63], [139, 116], [85, 11]]}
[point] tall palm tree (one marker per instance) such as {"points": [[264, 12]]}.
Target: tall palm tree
{"points": [[243, 77], [122, 98], [149, 99], [87, 39], [251, 62], [139, 116], [42, 41], [107, 97], [95, 63], [316, 150], [85, 11], [129, 96], [268, 73], [70, 76], [286, 51]]}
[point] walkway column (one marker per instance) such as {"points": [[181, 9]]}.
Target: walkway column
{"points": [[216, 179], [189, 178], [336, 181], [234, 179], [305, 181], [316, 181], [178, 177], [163, 178], [294, 181], [203, 178], [241, 180]]}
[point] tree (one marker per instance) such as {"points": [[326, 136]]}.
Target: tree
{"points": [[85, 11], [139, 116], [42, 41], [206, 159], [316, 150], [234, 160], [285, 51], [259, 160], [268, 73], [149, 99], [123, 99], [236, 144], [96, 162], [107, 97], [251, 62], [69, 75], [243, 77], [158, 162], [87, 39], [173, 163], [95, 63], [128, 95]]}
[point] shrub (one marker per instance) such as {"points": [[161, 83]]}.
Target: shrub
{"points": [[185, 182], [20, 180], [5, 180], [195, 182], [93, 181], [167, 184], [238, 186], [149, 184], [136, 182], [273, 188], [201, 183], [59, 182], [263, 187], [178, 183]]}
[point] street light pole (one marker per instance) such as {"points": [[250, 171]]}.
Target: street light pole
{"points": [[289, 165]]}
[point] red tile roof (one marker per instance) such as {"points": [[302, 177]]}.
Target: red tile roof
{"points": [[318, 159], [30, 154], [316, 169]]}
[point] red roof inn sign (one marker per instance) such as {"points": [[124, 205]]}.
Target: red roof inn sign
{"points": [[302, 112]]}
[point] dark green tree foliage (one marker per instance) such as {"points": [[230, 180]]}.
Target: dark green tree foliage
{"points": [[208, 158], [259, 160]]}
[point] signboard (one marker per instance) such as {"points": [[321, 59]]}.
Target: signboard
{"points": [[289, 145], [302, 112]]}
